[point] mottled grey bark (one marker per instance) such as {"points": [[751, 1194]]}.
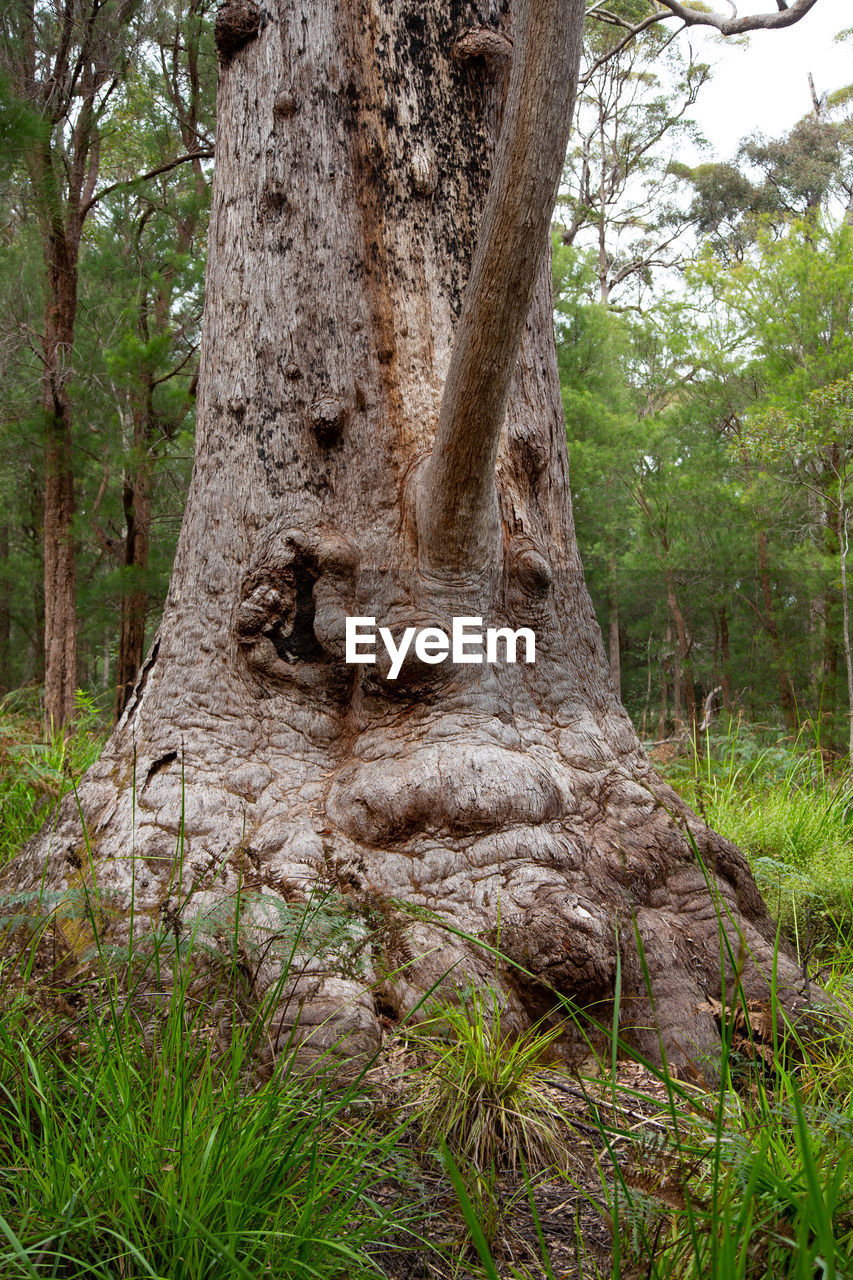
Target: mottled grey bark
{"points": [[354, 150]]}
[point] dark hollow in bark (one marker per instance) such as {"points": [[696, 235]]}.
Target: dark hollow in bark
{"points": [[509, 802], [237, 22]]}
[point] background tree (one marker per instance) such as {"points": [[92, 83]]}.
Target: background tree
{"points": [[813, 449], [620, 191], [68, 79], [756, 569], [64, 64], [153, 233], [791, 303]]}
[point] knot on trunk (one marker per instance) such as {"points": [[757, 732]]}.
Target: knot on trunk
{"points": [[493, 48], [237, 22], [329, 414], [571, 946], [285, 104], [412, 677], [529, 587], [424, 171], [291, 619], [532, 571]]}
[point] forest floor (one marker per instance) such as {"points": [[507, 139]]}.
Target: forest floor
{"points": [[138, 1140]]}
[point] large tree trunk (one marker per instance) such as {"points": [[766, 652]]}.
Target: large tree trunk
{"points": [[354, 149]]}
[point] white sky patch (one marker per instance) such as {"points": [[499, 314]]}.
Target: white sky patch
{"points": [[763, 84]]}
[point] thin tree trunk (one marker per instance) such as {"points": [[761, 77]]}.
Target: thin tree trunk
{"points": [[644, 730], [843, 542], [664, 683], [726, 660], [60, 575], [603, 265], [457, 514], [35, 532], [768, 617], [134, 605], [683, 664], [831, 648], [137, 543]]}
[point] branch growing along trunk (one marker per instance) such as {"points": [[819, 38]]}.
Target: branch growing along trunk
{"points": [[457, 515]]}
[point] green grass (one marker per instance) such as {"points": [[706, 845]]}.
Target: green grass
{"points": [[481, 1090], [36, 772], [791, 813], [137, 1141], [755, 1182]]}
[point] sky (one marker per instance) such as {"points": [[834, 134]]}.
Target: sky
{"points": [[763, 85]]}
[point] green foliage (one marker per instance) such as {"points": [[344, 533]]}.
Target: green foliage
{"points": [[481, 1090], [792, 816], [36, 773], [20, 127], [144, 1146], [709, 454], [753, 1182]]}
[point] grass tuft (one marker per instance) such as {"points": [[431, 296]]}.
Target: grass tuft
{"points": [[483, 1091]]}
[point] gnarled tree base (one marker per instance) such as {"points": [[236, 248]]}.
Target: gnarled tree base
{"points": [[561, 861]]}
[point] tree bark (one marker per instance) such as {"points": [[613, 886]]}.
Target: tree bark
{"points": [[60, 568], [457, 501], [137, 490], [507, 802]]}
